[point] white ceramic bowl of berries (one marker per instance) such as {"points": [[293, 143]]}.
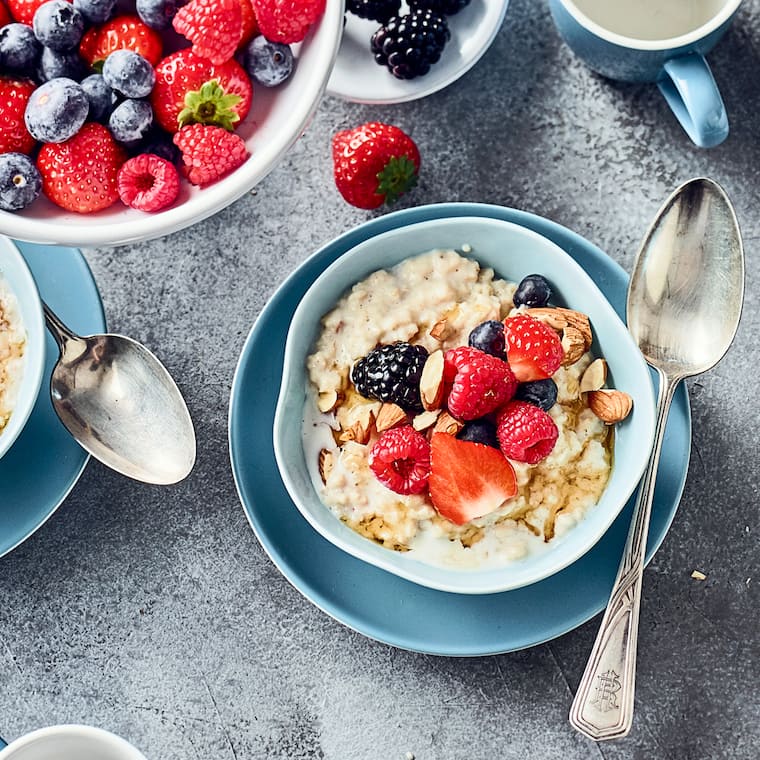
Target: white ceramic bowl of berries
{"points": [[486, 420], [125, 121]]}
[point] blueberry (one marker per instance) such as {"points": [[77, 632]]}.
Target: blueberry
{"points": [[533, 291], [540, 393], [157, 14], [100, 97], [479, 431], [58, 25], [54, 64], [130, 121], [95, 11], [129, 73], [489, 338], [56, 110], [20, 181], [269, 63], [19, 48]]}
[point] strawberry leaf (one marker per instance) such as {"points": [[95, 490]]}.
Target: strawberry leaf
{"points": [[397, 177], [211, 106]]}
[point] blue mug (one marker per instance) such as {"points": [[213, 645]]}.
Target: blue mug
{"points": [[655, 41]]}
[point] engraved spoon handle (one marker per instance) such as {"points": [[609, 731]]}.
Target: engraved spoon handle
{"points": [[603, 705]]}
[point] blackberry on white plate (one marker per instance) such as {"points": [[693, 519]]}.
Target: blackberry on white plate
{"points": [[375, 10], [409, 45]]}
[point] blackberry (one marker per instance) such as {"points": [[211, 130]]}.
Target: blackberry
{"points": [[540, 393], [533, 290], [489, 337], [376, 10], [392, 373], [479, 431], [409, 45], [442, 7]]}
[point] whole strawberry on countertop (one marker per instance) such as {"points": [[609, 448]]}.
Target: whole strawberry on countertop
{"points": [[374, 163]]}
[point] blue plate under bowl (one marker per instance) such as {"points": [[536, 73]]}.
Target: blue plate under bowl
{"points": [[373, 601], [45, 462]]}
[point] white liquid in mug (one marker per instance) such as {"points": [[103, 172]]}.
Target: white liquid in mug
{"points": [[650, 19]]}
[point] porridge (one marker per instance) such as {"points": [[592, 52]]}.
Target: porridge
{"points": [[12, 342], [451, 418]]}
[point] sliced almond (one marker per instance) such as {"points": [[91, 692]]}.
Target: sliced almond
{"points": [[610, 406], [389, 416], [325, 464], [431, 381], [573, 344], [560, 318], [595, 376], [447, 424], [360, 429], [327, 401], [440, 330], [424, 420]]}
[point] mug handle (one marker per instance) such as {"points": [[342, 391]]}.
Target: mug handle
{"points": [[691, 92]]}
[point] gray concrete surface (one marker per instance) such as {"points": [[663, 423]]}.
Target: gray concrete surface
{"points": [[155, 613]]}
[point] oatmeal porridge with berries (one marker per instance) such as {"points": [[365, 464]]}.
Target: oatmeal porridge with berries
{"points": [[451, 413], [12, 343]]}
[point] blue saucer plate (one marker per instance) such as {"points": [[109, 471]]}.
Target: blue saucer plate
{"points": [[45, 462], [386, 607]]}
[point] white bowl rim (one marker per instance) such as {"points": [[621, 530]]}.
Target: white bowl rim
{"points": [[34, 364], [459, 581], [211, 199]]}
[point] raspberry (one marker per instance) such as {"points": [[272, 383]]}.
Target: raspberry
{"points": [[392, 373], [479, 382], [148, 182], [400, 460], [287, 20], [209, 152], [526, 433], [213, 26]]}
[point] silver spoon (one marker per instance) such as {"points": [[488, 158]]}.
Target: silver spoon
{"points": [[684, 303], [121, 405]]}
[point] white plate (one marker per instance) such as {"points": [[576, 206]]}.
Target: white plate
{"points": [[357, 77]]}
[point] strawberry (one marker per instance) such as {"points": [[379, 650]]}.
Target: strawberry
{"points": [[400, 460], [534, 350], [148, 182], [468, 480], [5, 16], [374, 164], [120, 33], [81, 174], [479, 383], [287, 21], [213, 26], [14, 95], [178, 97], [23, 10], [525, 432], [209, 153], [250, 27]]}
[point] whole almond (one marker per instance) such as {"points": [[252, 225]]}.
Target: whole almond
{"points": [[610, 406], [440, 330], [389, 416], [447, 424], [560, 318], [431, 381]]}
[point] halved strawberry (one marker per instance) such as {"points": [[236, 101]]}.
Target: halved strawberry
{"points": [[468, 480], [120, 33], [179, 96], [534, 350]]}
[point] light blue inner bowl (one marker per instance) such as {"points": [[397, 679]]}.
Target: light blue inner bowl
{"points": [[15, 272], [513, 252]]}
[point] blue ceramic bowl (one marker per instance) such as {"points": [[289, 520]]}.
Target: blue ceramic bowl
{"points": [[18, 278], [512, 252]]}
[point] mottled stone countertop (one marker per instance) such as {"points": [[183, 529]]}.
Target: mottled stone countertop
{"points": [[155, 613]]}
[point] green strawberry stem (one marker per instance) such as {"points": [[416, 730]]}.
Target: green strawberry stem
{"points": [[210, 105], [397, 177]]}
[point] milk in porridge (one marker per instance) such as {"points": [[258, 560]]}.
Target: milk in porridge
{"points": [[12, 344]]}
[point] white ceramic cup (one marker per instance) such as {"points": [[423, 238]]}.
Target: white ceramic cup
{"points": [[70, 742]]}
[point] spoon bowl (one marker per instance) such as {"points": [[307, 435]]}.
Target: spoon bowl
{"points": [[684, 304], [122, 405]]}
